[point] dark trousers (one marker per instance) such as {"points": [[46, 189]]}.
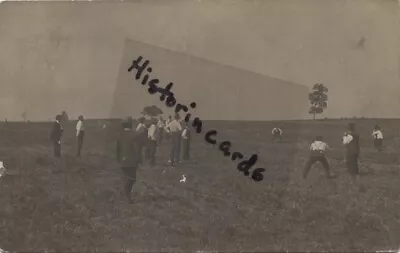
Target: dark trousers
{"points": [[147, 151], [80, 142], [57, 149], [316, 158], [167, 135], [140, 146], [129, 174], [186, 149], [352, 164], [378, 143], [160, 135], [151, 149], [175, 147]]}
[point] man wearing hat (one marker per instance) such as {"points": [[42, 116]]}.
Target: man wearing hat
{"points": [[55, 136], [351, 141], [128, 156]]}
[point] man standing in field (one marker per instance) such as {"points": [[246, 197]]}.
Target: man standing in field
{"points": [[351, 141], [152, 142], [175, 129], [277, 134], [377, 135], [80, 133], [160, 127], [317, 154], [128, 156], [186, 138], [141, 130], [167, 132], [55, 136]]}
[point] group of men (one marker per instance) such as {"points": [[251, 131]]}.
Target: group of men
{"points": [[351, 141], [152, 134], [57, 133], [131, 143], [134, 146]]}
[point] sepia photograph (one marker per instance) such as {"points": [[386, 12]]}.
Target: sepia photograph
{"points": [[200, 126]]}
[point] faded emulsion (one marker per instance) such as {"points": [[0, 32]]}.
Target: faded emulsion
{"points": [[170, 101]]}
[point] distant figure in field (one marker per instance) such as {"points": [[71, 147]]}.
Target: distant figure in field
{"points": [[55, 136], [351, 140], [277, 134], [317, 154], [128, 155], [175, 129], [80, 133], [377, 135], [6, 121], [141, 130], [186, 138], [152, 142], [161, 130]]}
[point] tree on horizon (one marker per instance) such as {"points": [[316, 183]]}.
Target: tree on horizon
{"points": [[152, 111], [24, 116], [318, 99]]}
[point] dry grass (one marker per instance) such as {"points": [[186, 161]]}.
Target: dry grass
{"points": [[76, 205]]}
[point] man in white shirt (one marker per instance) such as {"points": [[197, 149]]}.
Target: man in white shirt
{"points": [[175, 129], [186, 138], [152, 142], [276, 134], [317, 154], [141, 127], [166, 130], [80, 133], [377, 135]]}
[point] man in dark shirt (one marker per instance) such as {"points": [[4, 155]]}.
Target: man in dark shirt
{"points": [[128, 155], [351, 140], [55, 136]]}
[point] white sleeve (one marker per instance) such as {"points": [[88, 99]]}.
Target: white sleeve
{"points": [[347, 139], [78, 127], [184, 133]]}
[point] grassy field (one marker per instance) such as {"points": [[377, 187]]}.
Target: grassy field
{"points": [[76, 204]]}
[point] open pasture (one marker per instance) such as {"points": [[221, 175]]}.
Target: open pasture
{"points": [[76, 204]]}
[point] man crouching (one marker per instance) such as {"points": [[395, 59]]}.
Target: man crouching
{"points": [[317, 154], [128, 155]]}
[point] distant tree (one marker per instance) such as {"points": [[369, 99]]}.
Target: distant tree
{"points": [[64, 116], [318, 99], [152, 111], [24, 116]]}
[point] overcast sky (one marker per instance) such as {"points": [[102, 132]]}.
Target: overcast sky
{"points": [[67, 56]]}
